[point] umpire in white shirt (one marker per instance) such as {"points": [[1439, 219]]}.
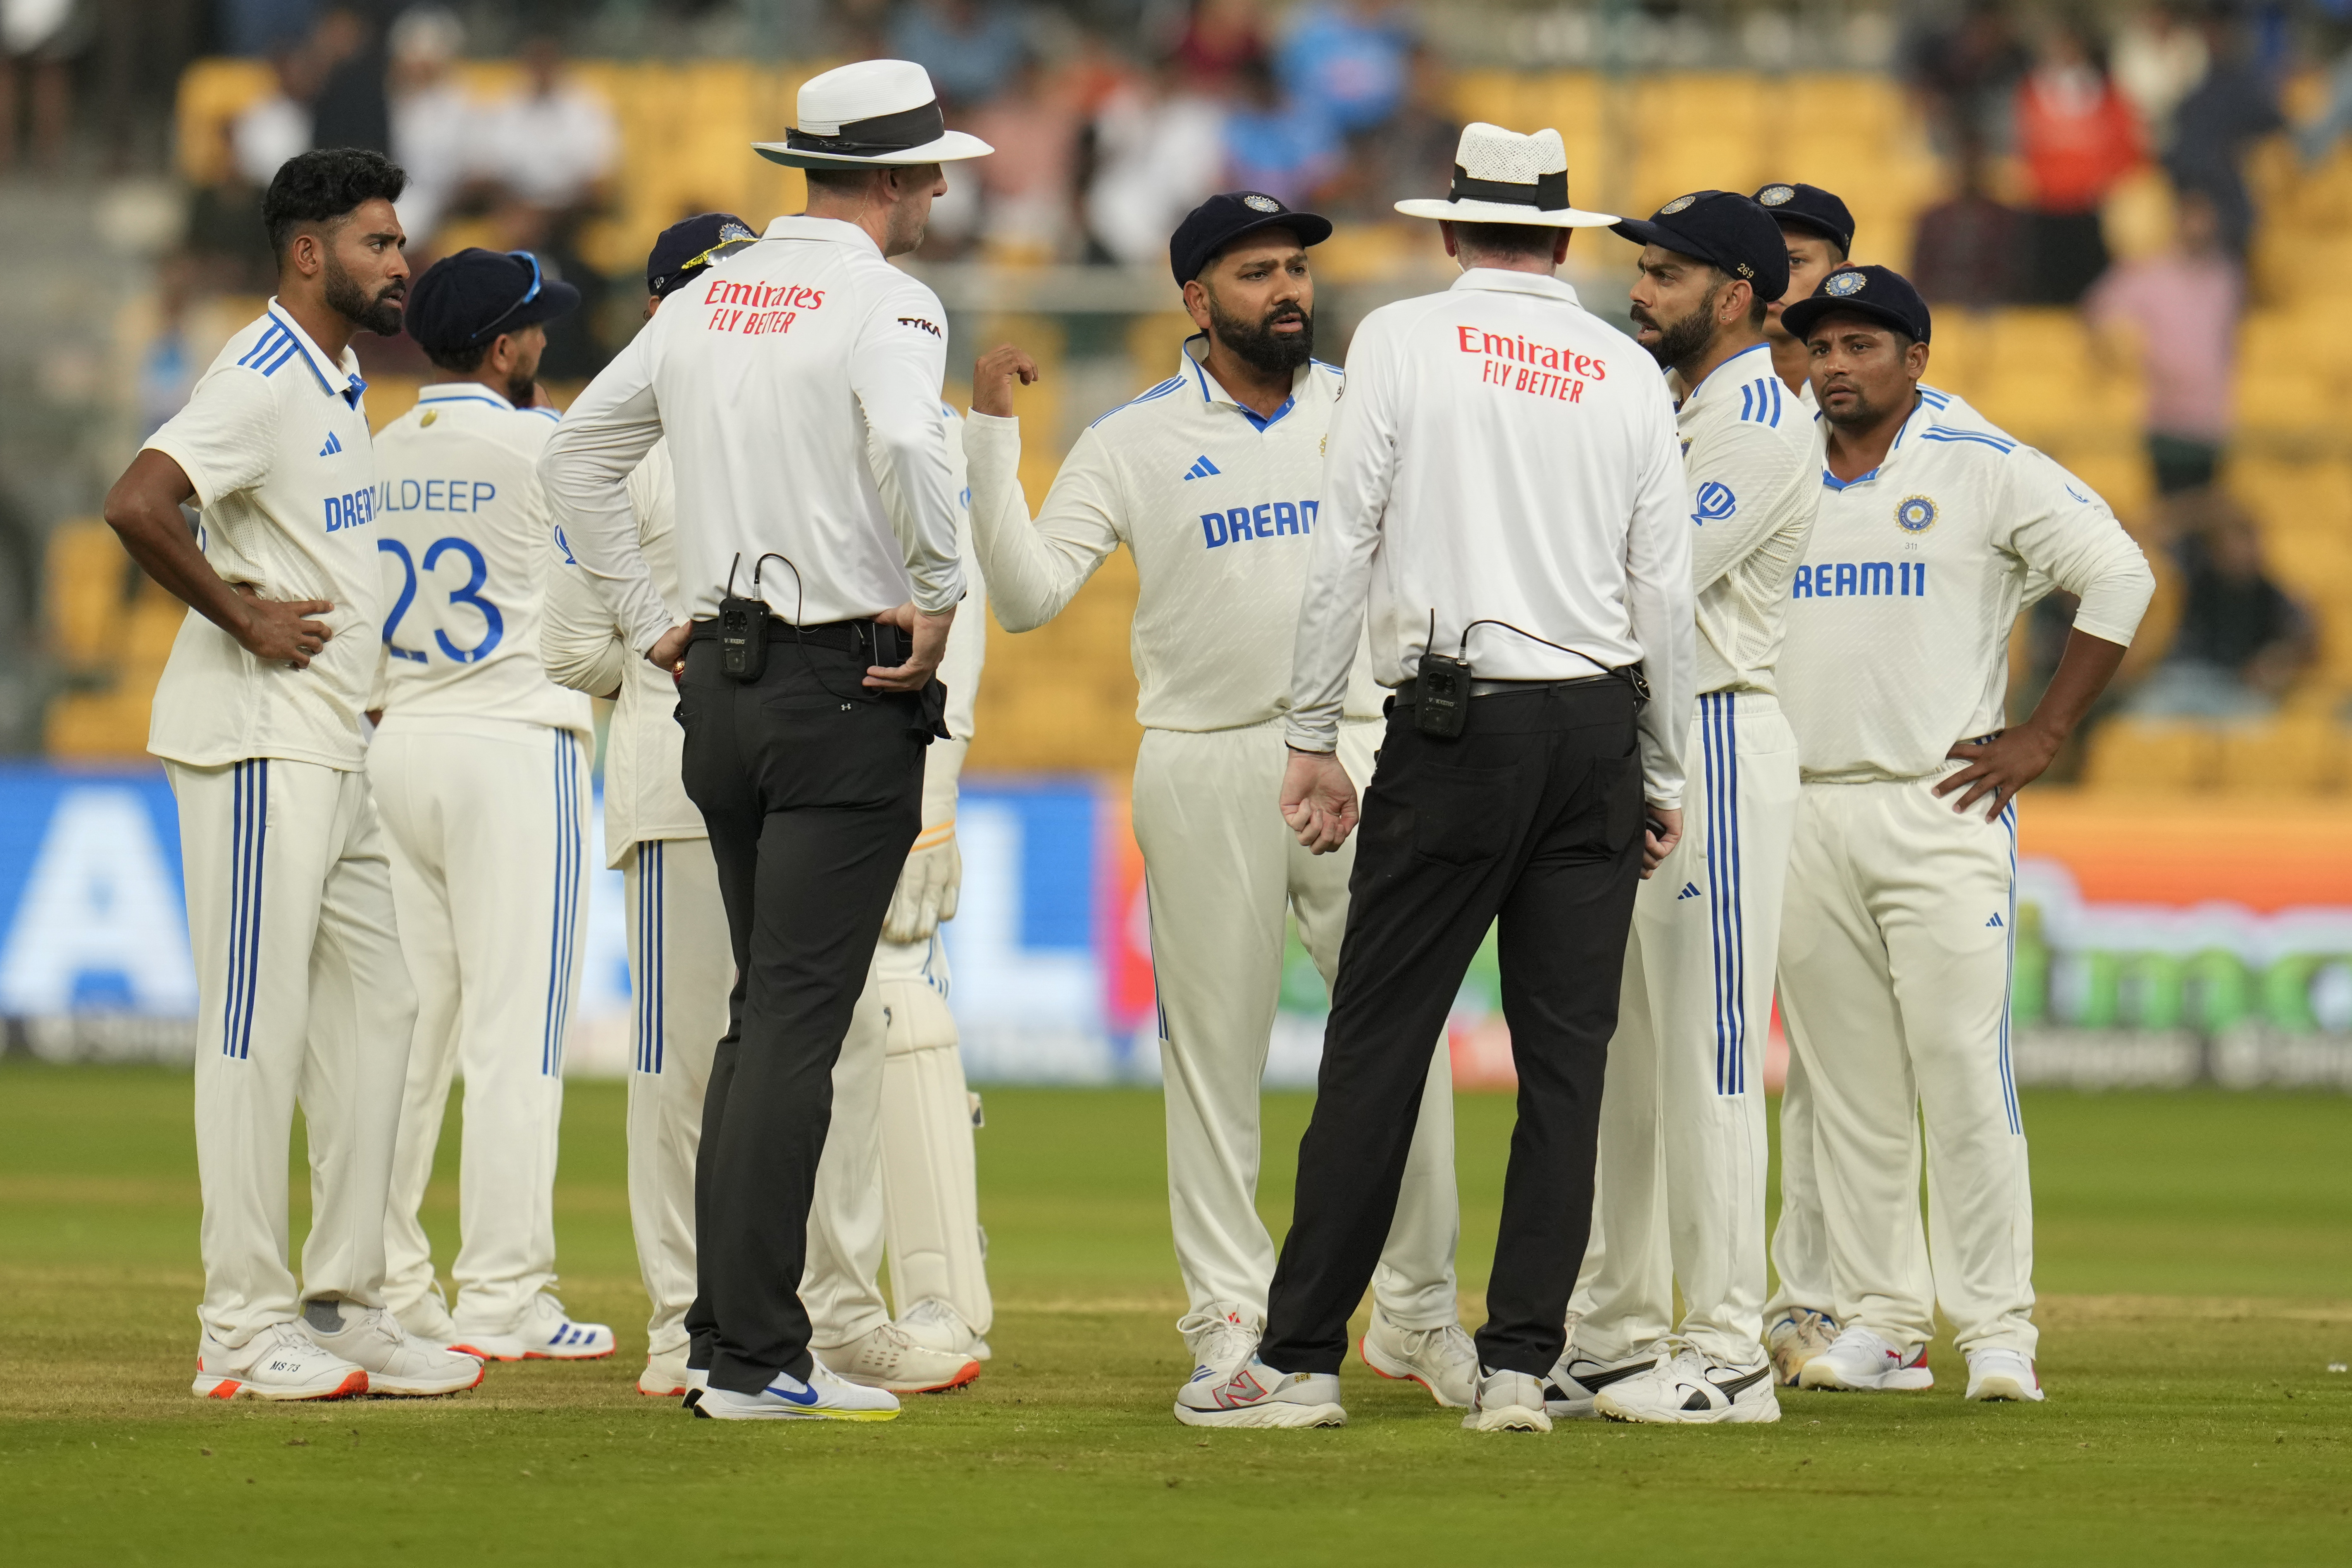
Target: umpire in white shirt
{"points": [[819, 615], [1503, 481]]}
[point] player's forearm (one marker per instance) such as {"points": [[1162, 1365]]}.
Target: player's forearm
{"points": [[2084, 670], [1032, 576], [143, 509]]}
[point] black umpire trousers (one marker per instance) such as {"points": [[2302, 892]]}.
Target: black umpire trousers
{"points": [[812, 789], [1531, 818]]}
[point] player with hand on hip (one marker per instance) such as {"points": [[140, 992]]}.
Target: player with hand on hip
{"points": [[1683, 1144], [480, 769], [301, 992], [1213, 480], [1898, 928]]}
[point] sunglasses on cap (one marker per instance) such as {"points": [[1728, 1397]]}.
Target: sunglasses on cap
{"points": [[528, 295], [677, 276]]}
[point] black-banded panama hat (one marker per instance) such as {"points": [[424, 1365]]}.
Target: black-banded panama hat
{"points": [[873, 114], [1501, 176]]}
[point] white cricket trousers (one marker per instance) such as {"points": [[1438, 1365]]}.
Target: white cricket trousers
{"points": [[488, 820], [301, 997], [1222, 869], [1683, 1141], [681, 970], [1896, 947]]}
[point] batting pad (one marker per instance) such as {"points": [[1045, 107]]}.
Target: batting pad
{"points": [[930, 1193]]}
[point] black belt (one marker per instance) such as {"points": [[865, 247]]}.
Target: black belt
{"points": [[860, 636], [1408, 693]]}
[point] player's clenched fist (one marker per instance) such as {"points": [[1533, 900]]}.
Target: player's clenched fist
{"points": [[993, 378], [279, 631]]}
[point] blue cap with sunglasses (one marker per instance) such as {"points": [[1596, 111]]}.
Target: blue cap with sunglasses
{"points": [[465, 300], [682, 251]]}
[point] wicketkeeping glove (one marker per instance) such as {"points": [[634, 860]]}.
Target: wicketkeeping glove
{"points": [[933, 874]]}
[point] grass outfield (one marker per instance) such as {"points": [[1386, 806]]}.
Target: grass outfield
{"points": [[2195, 1255]]}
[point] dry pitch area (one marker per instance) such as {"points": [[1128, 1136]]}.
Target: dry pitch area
{"points": [[2196, 1254]]}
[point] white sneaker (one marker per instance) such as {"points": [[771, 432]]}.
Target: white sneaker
{"points": [[1509, 1402], [398, 1363], [1859, 1361], [1796, 1337], [888, 1357], [1221, 1337], [1258, 1396], [1996, 1373], [427, 1319], [932, 1323], [665, 1375], [1442, 1360], [1692, 1388], [544, 1334], [281, 1361], [824, 1397], [698, 1382], [1576, 1380]]}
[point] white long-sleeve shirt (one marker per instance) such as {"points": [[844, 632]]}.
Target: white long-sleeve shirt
{"points": [[1502, 455], [1219, 506], [1900, 614], [770, 376], [582, 647], [1752, 455]]}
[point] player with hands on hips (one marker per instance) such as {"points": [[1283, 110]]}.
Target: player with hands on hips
{"points": [[1213, 480], [303, 993], [1899, 925], [480, 767]]}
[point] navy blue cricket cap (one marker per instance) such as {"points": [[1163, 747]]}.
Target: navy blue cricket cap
{"points": [[1880, 293], [464, 300], [1808, 207], [685, 248], [1222, 220], [1723, 229]]}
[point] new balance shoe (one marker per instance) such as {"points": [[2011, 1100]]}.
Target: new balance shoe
{"points": [[822, 1398], [545, 1333], [1577, 1381], [398, 1363], [888, 1357], [1509, 1402], [664, 1374], [281, 1361], [931, 1321], [1692, 1388], [1258, 1396], [1995, 1373], [1442, 1360], [1859, 1361], [1796, 1337]]}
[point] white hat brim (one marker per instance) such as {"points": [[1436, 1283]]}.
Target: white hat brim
{"points": [[1505, 212], [953, 147]]}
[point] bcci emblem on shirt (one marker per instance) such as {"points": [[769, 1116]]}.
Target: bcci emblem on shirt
{"points": [[1916, 515]]}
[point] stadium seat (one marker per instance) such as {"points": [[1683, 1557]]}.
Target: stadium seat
{"points": [[2152, 756], [2292, 753]]}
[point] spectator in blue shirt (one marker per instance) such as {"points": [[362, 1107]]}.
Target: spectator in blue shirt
{"points": [[1349, 60], [1278, 144], [972, 47]]}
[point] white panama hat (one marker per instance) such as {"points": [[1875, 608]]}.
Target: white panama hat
{"points": [[870, 115], [1501, 176]]}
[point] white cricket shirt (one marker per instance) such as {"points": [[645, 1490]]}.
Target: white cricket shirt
{"points": [[463, 540], [645, 749], [1900, 614], [1219, 506], [274, 440], [1753, 458], [769, 375], [1503, 455]]}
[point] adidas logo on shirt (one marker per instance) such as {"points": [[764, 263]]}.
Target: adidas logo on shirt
{"points": [[1201, 468], [1690, 890], [332, 446]]}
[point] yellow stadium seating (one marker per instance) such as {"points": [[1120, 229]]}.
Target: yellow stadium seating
{"points": [[2295, 753], [2145, 756]]}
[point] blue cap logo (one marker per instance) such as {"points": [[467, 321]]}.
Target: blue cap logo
{"points": [[1845, 284], [1677, 204], [1916, 515], [1773, 195]]}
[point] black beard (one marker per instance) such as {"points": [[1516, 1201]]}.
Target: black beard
{"points": [[1260, 347], [380, 315], [522, 388], [1685, 340], [1859, 416]]}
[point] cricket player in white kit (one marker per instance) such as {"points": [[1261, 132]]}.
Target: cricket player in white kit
{"points": [[1213, 478], [1683, 1141], [922, 1203], [303, 995], [480, 768], [1899, 928]]}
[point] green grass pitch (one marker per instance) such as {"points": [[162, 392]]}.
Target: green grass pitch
{"points": [[2195, 1258]]}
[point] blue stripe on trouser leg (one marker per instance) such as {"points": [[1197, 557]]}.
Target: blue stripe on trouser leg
{"points": [[661, 949], [567, 889], [248, 846], [2009, 978], [1719, 741]]}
